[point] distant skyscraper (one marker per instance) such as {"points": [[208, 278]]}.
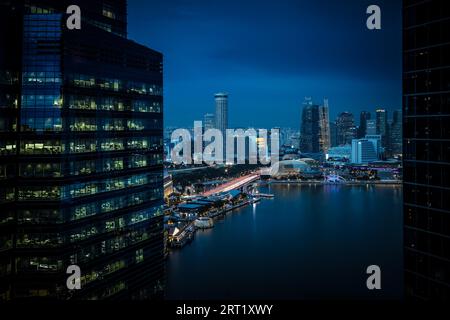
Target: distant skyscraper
{"points": [[346, 130], [376, 141], [371, 127], [363, 151], [395, 133], [382, 126], [310, 128], [209, 121], [324, 123], [221, 112], [333, 134], [362, 129], [426, 149]]}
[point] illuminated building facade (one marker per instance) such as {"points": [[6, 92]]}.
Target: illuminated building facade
{"points": [[81, 155]]}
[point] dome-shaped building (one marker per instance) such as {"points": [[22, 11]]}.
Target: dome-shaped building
{"points": [[295, 167]]}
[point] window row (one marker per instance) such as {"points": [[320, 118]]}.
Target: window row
{"points": [[112, 104], [82, 145], [87, 81], [435, 104], [114, 124], [422, 150], [61, 215], [85, 189], [427, 81], [84, 167], [107, 247], [435, 198], [42, 240]]}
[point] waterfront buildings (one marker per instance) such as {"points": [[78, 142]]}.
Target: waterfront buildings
{"points": [[363, 151], [80, 154], [324, 127], [340, 153], [426, 149]]}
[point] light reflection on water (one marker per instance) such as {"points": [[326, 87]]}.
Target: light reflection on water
{"points": [[307, 242]]}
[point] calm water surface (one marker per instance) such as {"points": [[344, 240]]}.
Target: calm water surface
{"points": [[308, 242]]}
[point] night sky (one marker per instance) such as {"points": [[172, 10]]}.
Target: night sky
{"points": [[269, 55]]}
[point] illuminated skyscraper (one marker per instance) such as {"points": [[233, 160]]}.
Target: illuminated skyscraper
{"points": [[221, 112], [81, 154], [382, 126], [324, 131]]}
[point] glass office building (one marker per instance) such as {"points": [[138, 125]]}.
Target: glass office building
{"points": [[426, 148], [81, 155]]}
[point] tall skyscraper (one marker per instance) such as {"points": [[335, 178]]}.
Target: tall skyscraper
{"points": [[221, 112], [362, 129], [80, 154], [310, 127], [426, 149], [395, 134], [209, 121], [324, 131], [382, 126], [346, 130]]}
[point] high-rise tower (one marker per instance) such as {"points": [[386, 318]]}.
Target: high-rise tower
{"points": [[426, 149], [80, 154]]}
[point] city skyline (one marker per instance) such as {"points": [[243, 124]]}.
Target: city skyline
{"points": [[272, 60], [210, 113]]}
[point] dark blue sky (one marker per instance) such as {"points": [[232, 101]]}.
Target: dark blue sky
{"points": [[269, 55]]}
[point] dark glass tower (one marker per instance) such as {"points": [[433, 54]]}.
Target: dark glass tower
{"points": [[426, 141], [310, 128], [345, 126], [362, 129], [81, 154]]}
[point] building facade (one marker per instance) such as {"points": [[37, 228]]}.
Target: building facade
{"points": [[426, 149], [363, 151], [221, 100], [81, 155], [362, 129], [310, 128], [346, 130], [382, 127]]}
